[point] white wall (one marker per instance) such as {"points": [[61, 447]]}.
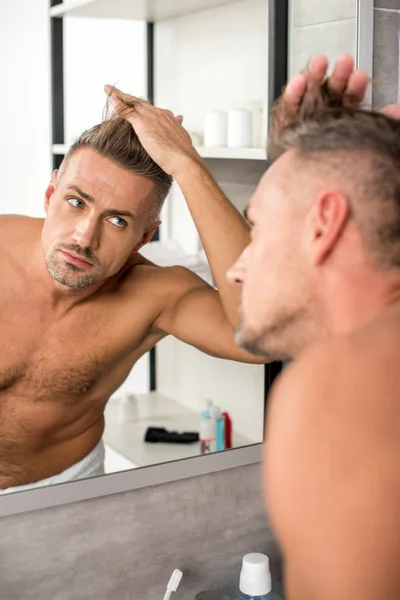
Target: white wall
{"points": [[25, 160], [213, 59], [192, 377], [100, 51]]}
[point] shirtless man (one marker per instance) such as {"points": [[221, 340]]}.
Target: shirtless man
{"points": [[321, 284], [79, 305]]}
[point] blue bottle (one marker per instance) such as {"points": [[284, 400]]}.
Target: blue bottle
{"points": [[255, 578], [216, 415]]}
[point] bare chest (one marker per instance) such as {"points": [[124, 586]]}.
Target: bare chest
{"points": [[85, 352]]}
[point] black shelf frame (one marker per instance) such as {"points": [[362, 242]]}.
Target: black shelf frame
{"points": [[278, 12], [278, 72]]}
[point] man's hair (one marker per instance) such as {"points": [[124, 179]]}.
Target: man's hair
{"points": [[363, 148], [116, 140]]}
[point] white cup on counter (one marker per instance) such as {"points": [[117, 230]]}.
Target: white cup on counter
{"points": [[215, 129], [240, 128]]}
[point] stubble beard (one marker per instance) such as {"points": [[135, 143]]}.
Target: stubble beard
{"points": [[249, 339], [69, 274], [276, 341]]}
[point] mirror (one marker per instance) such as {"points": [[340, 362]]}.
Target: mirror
{"points": [[93, 398], [215, 59]]}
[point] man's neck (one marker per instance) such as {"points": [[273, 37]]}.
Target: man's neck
{"points": [[357, 302]]}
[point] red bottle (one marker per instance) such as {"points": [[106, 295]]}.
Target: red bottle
{"points": [[228, 430]]}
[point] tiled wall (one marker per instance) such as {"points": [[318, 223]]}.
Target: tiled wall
{"points": [[330, 28], [386, 52], [318, 27], [125, 547]]}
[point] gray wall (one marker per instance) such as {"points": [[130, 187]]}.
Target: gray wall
{"points": [[126, 546], [321, 27], [330, 28], [386, 52]]}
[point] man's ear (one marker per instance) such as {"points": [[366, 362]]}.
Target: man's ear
{"points": [[50, 190], [147, 236], [328, 219]]}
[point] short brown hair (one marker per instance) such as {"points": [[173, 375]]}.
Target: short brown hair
{"points": [[364, 148], [116, 140]]}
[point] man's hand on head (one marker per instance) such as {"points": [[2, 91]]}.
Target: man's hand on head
{"points": [[160, 132], [313, 90], [345, 83]]}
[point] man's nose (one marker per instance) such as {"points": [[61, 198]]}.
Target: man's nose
{"points": [[86, 233], [236, 273]]}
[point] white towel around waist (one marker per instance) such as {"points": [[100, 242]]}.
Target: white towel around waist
{"points": [[92, 465]]}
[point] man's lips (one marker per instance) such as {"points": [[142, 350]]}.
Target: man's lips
{"points": [[76, 259]]}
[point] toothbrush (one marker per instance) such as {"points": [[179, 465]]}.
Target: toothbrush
{"points": [[173, 583]]}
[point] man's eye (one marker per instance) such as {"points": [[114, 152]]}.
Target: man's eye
{"points": [[119, 222], [75, 202]]}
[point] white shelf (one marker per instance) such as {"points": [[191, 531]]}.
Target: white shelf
{"points": [[228, 153], [233, 153], [126, 426], [140, 10], [60, 149]]}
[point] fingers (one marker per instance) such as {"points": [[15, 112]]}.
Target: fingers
{"points": [[311, 78], [125, 104], [357, 86], [317, 69], [115, 94], [296, 89], [130, 107], [392, 110], [119, 105], [342, 71]]}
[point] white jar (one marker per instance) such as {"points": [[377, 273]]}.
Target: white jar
{"points": [[240, 128], [215, 129]]}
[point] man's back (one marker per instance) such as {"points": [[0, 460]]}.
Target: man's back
{"points": [[333, 465]]}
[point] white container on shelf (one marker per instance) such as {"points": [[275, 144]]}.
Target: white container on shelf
{"points": [[240, 128], [215, 129], [260, 122]]}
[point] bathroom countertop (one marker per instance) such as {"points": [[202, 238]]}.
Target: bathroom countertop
{"points": [[128, 420]]}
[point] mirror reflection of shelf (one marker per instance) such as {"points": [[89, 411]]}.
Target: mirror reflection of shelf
{"points": [[60, 149], [128, 419], [141, 10], [169, 253], [223, 153], [233, 153]]}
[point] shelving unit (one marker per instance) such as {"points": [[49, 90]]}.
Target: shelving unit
{"points": [[140, 10], [223, 153]]}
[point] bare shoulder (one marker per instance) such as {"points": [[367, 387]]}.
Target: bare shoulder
{"points": [[362, 366], [333, 442], [167, 282], [17, 227]]}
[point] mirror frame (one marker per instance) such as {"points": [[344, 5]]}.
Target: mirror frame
{"points": [[124, 481], [365, 40]]}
